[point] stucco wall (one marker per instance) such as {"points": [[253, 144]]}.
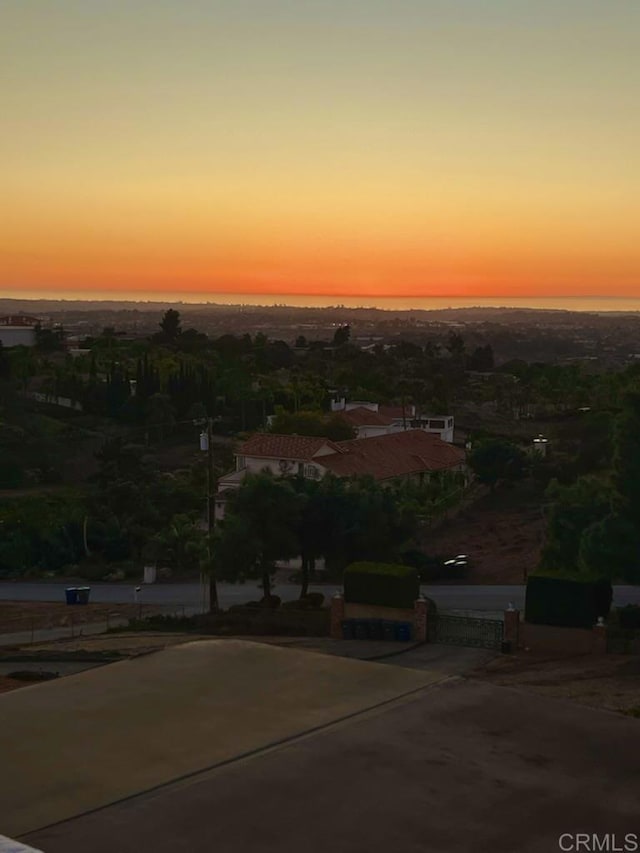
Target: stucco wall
{"points": [[549, 638], [376, 611], [13, 336], [256, 464]]}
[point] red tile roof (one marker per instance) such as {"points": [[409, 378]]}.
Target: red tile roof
{"points": [[275, 446], [393, 455], [361, 416]]}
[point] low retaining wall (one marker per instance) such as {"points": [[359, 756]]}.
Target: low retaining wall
{"points": [[341, 610]]}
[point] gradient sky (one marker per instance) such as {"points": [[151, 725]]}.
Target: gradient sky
{"points": [[348, 147]]}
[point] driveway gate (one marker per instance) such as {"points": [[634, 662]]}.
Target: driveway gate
{"points": [[465, 631]]}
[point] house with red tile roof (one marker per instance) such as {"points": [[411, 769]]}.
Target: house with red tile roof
{"points": [[409, 454], [366, 422], [282, 455]]}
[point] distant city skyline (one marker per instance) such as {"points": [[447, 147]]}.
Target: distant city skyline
{"points": [[337, 150]]}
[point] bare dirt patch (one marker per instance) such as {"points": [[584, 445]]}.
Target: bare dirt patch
{"points": [[121, 643], [611, 682], [34, 615], [501, 533], [7, 684]]}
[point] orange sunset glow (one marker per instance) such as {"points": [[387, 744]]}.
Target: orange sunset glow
{"points": [[362, 149]]}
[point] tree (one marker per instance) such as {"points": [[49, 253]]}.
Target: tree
{"points": [[311, 423], [573, 509], [481, 359], [160, 413], [170, 328], [455, 344], [182, 544], [494, 459], [362, 520], [5, 364], [337, 429], [626, 457], [49, 340], [341, 336], [611, 548], [259, 529]]}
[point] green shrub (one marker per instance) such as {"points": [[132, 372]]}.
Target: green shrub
{"points": [[385, 584], [256, 622], [629, 617], [570, 602], [311, 601]]}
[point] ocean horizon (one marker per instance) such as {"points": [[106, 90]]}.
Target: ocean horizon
{"points": [[589, 304]]}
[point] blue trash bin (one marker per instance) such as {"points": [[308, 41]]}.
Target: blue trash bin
{"points": [[83, 594], [361, 629], [347, 629], [71, 592], [375, 629], [403, 632], [388, 630]]}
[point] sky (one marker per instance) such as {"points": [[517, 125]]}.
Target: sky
{"points": [[360, 148]]}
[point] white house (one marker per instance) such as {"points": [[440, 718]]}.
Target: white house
{"points": [[282, 455], [412, 454], [18, 330], [372, 419]]}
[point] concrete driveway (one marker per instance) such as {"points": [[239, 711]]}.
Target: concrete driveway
{"points": [[447, 765], [81, 742], [462, 766]]}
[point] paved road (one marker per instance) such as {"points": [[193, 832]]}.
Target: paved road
{"points": [[190, 594]]}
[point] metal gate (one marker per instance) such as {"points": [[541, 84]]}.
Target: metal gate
{"points": [[465, 631]]}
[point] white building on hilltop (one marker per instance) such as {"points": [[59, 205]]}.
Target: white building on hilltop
{"points": [[18, 330], [373, 419]]}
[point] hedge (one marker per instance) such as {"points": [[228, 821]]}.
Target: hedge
{"points": [[567, 602], [629, 617], [384, 584]]}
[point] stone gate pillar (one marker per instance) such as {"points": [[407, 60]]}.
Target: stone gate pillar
{"points": [[420, 620], [512, 627], [337, 616]]}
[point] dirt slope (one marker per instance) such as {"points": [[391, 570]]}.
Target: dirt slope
{"points": [[501, 533]]}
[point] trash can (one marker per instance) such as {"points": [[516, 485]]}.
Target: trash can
{"points": [[388, 629], [362, 629], [71, 593], [83, 594], [347, 629], [375, 629], [403, 632]]}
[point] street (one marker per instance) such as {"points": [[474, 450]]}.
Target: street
{"points": [[190, 595]]}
